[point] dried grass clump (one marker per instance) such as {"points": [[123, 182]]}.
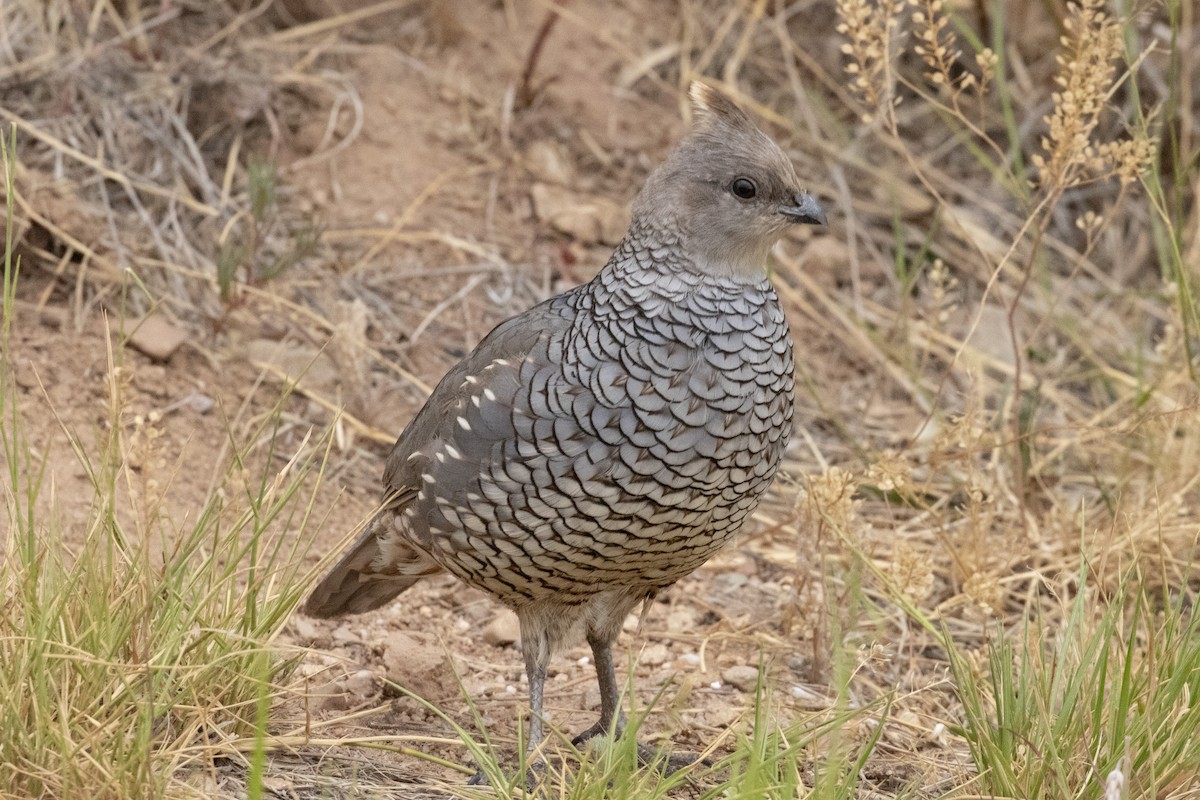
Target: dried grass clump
{"points": [[1043, 268], [133, 123]]}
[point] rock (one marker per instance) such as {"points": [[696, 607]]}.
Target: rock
{"points": [[654, 655], [729, 582], [503, 630], [361, 683], [805, 695], [156, 337], [279, 786], [741, 677], [27, 376], [548, 163], [306, 630], [586, 219], [473, 605], [343, 635], [331, 695], [200, 403]]}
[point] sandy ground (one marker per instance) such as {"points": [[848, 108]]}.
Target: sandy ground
{"points": [[445, 213]]}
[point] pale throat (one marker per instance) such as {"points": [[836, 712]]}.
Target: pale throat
{"points": [[740, 259]]}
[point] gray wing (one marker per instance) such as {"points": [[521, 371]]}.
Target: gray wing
{"points": [[471, 407], [384, 561]]}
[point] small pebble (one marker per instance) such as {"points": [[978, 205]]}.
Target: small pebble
{"points": [[343, 635], [800, 693], [200, 403], [741, 677], [361, 683], [504, 630], [654, 655], [306, 630], [157, 337]]}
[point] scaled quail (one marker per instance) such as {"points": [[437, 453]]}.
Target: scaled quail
{"points": [[595, 449]]}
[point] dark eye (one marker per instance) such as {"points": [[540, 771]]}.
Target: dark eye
{"points": [[743, 188]]}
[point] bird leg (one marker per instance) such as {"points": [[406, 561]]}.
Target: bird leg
{"points": [[606, 674], [537, 658], [612, 719], [536, 661]]}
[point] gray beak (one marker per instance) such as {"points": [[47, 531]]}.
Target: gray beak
{"points": [[806, 210]]}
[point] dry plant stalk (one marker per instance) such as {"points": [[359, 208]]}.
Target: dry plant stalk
{"points": [[936, 44], [1091, 47], [908, 567], [1071, 157], [829, 511], [871, 30], [938, 48], [830, 503]]}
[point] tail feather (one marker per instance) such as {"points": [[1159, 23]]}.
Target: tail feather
{"points": [[369, 575]]}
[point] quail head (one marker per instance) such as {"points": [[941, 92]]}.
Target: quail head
{"points": [[595, 449]]}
